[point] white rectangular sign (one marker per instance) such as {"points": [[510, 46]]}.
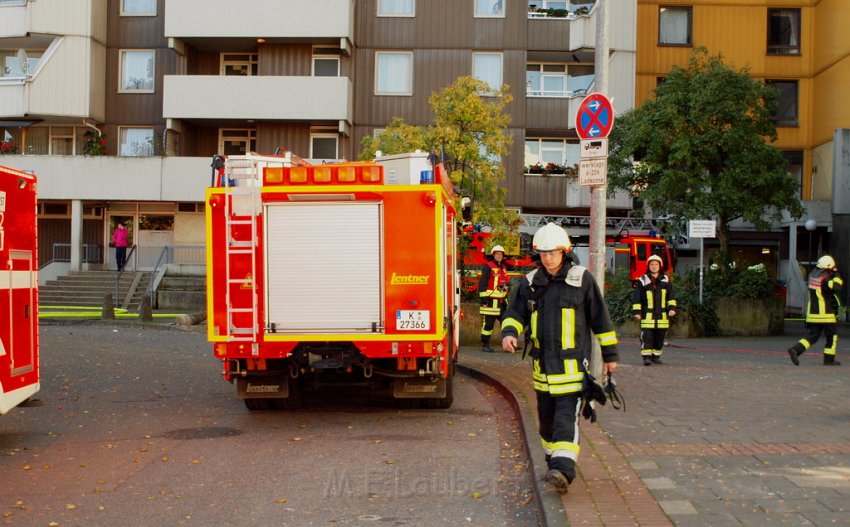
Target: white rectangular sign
{"points": [[702, 229], [593, 148], [2, 201], [592, 172]]}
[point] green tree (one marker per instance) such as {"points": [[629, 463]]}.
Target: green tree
{"points": [[701, 149], [469, 129]]}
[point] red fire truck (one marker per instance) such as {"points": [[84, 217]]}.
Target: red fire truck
{"points": [[332, 272], [19, 366]]}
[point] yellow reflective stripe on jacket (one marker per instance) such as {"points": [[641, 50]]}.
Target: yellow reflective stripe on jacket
{"points": [[512, 323], [538, 378], [607, 339], [570, 381], [568, 328]]}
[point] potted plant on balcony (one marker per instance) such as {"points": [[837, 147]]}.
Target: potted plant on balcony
{"points": [[549, 169], [94, 143], [8, 147]]}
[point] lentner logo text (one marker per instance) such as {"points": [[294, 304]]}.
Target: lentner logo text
{"points": [[409, 279]]}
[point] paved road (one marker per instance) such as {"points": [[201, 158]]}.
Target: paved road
{"points": [[138, 429], [726, 433]]}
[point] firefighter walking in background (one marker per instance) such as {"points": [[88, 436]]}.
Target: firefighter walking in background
{"points": [[653, 303], [822, 314], [562, 308], [493, 290]]}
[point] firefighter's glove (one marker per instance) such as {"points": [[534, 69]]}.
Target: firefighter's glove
{"points": [[588, 411], [616, 398], [592, 390]]}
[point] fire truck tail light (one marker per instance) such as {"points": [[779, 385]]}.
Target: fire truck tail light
{"points": [[274, 175], [221, 349], [322, 174], [346, 174], [298, 175], [371, 174]]}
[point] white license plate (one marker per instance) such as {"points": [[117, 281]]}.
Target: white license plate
{"points": [[406, 320]]}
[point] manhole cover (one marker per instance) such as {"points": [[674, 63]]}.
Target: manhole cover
{"points": [[209, 432]]}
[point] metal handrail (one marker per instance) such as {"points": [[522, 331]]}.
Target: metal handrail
{"points": [[150, 289], [166, 257]]}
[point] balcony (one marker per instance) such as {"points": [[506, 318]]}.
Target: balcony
{"points": [[198, 22], [551, 112], [264, 98], [560, 29], [558, 191], [117, 178]]}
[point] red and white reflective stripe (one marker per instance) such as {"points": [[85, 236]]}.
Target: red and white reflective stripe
{"points": [[18, 280]]}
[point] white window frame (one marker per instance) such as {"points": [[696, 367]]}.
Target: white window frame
{"points": [[122, 139], [53, 134], [122, 54], [124, 12], [406, 92], [319, 55], [247, 136], [563, 148], [500, 56], [224, 61], [390, 14], [543, 75], [491, 13], [324, 134]]}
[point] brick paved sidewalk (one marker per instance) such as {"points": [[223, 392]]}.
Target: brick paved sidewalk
{"points": [[726, 433]]}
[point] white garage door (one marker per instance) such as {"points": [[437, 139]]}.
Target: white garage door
{"points": [[323, 265]]}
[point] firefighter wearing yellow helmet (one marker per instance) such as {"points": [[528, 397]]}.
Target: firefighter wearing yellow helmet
{"points": [[653, 304], [822, 313], [560, 305], [493, 290]]}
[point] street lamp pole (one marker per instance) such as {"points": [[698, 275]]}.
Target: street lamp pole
{"points": [[811, 226]]}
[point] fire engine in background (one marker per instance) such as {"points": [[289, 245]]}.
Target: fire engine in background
{"points": [[336, 272], [19, 366], [623, 250]]}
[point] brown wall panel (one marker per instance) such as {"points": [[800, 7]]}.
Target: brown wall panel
{"points": [[286, 60]]}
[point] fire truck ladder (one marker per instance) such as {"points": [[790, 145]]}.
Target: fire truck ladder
{"points": [[242, 170]]}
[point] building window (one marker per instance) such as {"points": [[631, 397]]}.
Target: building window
{"points": [[138, 7], [487, 67], [674, 26], [396, 7], [783, 31], [62, 140], [135, 142], [786, 111], [238, 64], [325, 61], [237, 141], [19, 63], [490, 8], [556, 151], [137, 69], [558, 80], [323, 146], [394, 73], [13, 2]]}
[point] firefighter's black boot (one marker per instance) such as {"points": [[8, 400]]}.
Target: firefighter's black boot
{"points": [[485, 345], [656, 359], [794, 356], [829, 360], [558, 480], [647, 360]]}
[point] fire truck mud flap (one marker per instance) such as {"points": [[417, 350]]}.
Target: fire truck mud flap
{"points": [[272, 387]]}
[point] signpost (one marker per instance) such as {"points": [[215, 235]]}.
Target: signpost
{"points": [[701, 229], [595, 117]]}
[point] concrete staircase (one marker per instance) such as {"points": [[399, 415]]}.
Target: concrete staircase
{"points": [[182, 293], [88, 288]]}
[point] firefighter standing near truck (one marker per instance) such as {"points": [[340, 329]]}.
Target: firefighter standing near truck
{"points": [[653, 304], [493, 290], [822, 314], [561, 305]]}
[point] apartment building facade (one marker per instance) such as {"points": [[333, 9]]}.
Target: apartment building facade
{"points": [[798, 47], [122, 103]]}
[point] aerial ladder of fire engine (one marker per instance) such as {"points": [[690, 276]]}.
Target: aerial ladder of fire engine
{"points": [[245, 170]]}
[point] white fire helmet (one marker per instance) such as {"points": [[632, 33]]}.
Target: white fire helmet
{"points": [[826, 262], [497, 248], [551, 237], [655, 258]]}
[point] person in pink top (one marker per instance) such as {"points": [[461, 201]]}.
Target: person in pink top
{"points": [[119, 238]]}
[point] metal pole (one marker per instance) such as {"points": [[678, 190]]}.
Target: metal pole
{"points": [[701, 267], [598, 192]]}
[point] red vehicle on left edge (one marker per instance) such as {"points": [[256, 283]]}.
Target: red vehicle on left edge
{"points": [[19, 368]]}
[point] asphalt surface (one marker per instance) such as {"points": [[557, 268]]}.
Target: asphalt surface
{"points": [[727, 432]]}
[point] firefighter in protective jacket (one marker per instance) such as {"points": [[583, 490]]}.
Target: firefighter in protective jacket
{"points": [[653, 303], [822, 314], [561, 306], [493, 290]]}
